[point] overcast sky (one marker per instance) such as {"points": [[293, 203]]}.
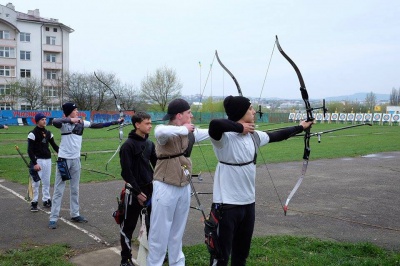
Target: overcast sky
{"points": [[341, 47]]}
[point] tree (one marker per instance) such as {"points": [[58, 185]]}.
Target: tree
{"points": [[88, 93], [76, 90], [9, 94], [212, 106], [370, 101], [395, 97], [161, 87], [31, 92], [103, 97], [132, 99]]}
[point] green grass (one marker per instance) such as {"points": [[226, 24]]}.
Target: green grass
{"points": [[100, 144], [288, 250], [271, 250], [32, 255]]}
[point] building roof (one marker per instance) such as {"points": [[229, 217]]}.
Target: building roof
{"points": [[9, 24], [32, 18]]}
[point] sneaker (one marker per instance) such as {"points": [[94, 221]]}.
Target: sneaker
{"points": [[47, 203], [52, 225], [127, 263], [79, 219], [34, 206]]}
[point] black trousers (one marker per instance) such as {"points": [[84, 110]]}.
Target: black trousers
{"points": [[128, 226], [236, 226]]}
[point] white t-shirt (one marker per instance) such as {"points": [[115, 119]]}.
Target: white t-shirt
{"points": [[235, 184]]}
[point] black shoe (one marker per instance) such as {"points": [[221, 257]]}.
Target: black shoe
{"points": [[47, 203], [127, 263], [34, 206], [79, 219]]}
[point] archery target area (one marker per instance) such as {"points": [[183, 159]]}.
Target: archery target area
{"points": [[353, 118]]}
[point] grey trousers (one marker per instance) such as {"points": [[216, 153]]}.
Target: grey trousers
{"points": [[74, 166]]}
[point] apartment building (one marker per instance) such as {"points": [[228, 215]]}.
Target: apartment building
{"points": [[32, 49]]}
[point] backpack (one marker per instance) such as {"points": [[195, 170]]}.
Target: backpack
{"points": [[119, 214], [211, 234]]}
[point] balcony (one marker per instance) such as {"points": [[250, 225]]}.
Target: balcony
{"points": [[6, 61], [52, 48], [52, 65], [8, 42], [50, 82]]}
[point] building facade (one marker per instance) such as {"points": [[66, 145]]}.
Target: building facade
{"points": [[34, 56]]}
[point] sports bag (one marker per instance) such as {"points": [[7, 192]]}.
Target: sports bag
{"points": [[211, 234], [33, 173], [63, 169], [119, 214]]}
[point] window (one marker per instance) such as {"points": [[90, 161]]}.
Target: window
{"points": [[54, 29], [7, 71], [5, 34], [25, 73], [5, 106], [50, 91], [51, 40], [51, 74], [47, 29], [5, 89], [51, 107], [51, 58], [7, 52], [25, 37], [25, 55], [26, 107]]}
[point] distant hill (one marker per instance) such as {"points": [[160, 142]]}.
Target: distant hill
{"points": [[353, 97], [359, 97]]}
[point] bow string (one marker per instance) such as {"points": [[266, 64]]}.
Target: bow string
{"points": [[121, 116], [260, 113]]}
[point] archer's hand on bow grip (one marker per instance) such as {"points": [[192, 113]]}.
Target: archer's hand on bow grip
{"points": [[306, 124]]}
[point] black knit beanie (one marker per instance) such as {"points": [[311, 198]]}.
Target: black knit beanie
{"points": [[236, 107], [68, 108]]}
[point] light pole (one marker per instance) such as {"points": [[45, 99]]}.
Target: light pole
{"points": [[198, 108]]}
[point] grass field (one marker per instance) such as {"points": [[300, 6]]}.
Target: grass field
{"points": [[271, 250], [100, 145]]}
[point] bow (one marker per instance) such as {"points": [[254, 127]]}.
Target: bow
{"points": [[121, 116], [230, 74], [236, 82], [310, 117]]}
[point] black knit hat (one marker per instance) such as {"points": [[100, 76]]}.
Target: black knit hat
{"points": [[236, 107], [68, 108], [175, 107]]}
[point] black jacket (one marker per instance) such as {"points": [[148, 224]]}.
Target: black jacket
{"points": [[39, 148], [137, 158]]}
